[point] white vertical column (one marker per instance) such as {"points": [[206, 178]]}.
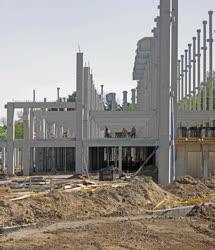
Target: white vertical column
{"points": [[190, 75], [179, 82], [186, 71], [204, 48], [199, 69], [182, 80], [120, 159], [210, 41], [26, 147], [125, 102], [164, 110], [10, 139], [194, 73], [133, 97], [86, 102], [79, 114]]}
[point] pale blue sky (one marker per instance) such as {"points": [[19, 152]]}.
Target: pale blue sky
{"points": [[39, 40]]}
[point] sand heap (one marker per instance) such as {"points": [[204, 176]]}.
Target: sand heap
{"points": [[204, 212], [132, 199], [187, 187]]}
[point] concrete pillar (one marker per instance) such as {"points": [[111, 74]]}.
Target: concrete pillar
{"points": [[199, 69], [190, 75], [185, 73], [204, 48], [125, 102], [182, 77], [194, 73], [86, 131], [120, 160], [133, 97], [79, 114], [173, 82], [26, 147], [10, 139], [210, 41], [58, 94], [179, 82], [164, 110]]}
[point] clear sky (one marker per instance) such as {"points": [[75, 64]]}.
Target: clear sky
{"points": [[39, 40]]}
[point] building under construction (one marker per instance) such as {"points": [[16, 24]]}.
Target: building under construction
{"points": [[172, 114]]}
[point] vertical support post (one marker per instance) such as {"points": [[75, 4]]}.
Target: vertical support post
{"points": [[186, 71], [182, 77], [10, 139], [210, 41], [190, 75], [164, 174], [133, 97], [179, 82], [86, 102], [79, 114], [199, 106], [204, 48], [125, 102], [173, 82], [194, 73], [26, 147], [120, 159]]}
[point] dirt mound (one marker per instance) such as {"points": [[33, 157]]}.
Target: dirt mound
{"points": [[210, 183], [132, 199], [187, 187], [204, 212]]}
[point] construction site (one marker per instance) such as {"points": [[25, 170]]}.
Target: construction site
{"points": [[87, 173]]}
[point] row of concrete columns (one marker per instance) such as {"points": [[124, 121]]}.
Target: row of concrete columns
{"points": [[87, 99], [195, 86]]}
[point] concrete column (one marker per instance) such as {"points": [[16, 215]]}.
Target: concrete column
{"points": [[204, 48], [179, 81], [79, 114], [210, 41], [190, 75], [86, 102], [125, 102], [194, 73], [133, 97], [164, 174], [10, 139], [185, 73], [120, 160], [182, 77], [199, 69], [26, 147]]}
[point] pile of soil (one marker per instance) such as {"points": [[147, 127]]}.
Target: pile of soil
{"points": [[210, 183], [204, 212], [187, 187], [132, 199]]}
